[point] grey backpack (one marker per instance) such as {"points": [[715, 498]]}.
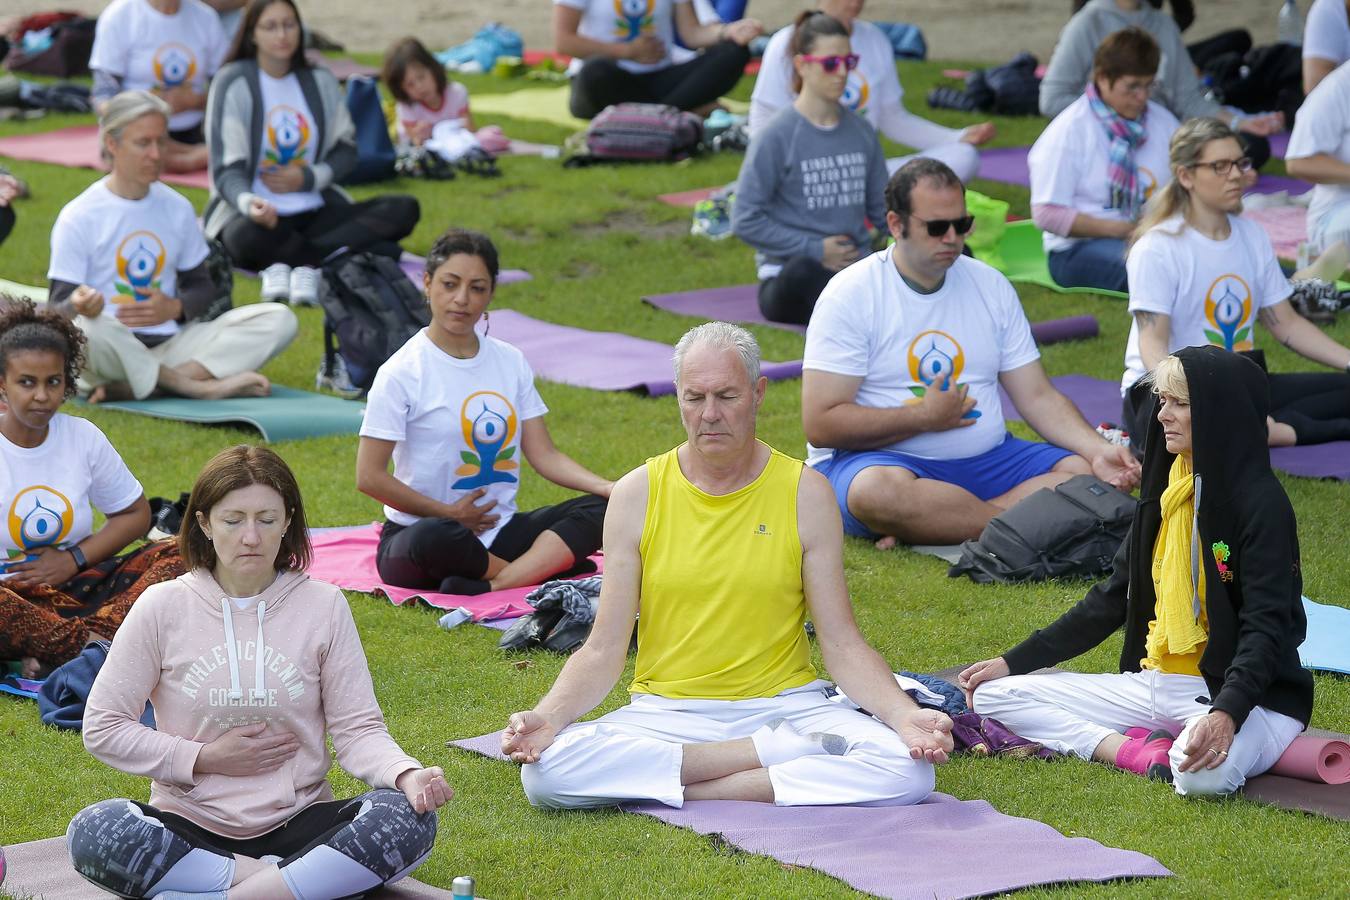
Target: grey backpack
{"points": [[1072, 531]]}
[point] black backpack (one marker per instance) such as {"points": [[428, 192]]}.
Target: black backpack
{"points": [[370, 308], [1072, 531]]}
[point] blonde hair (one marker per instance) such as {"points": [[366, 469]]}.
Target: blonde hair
{"points": [[124, 109], [1169, 377], [1184, 151]]}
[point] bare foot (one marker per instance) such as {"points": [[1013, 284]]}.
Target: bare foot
{"points": [[97, 395], [33, 669], [886, 543], [245, 384], [110, 391]]}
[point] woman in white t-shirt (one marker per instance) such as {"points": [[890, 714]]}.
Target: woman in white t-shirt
{"points": [[170, 48], [1096, 164], [624, 51], [873, 91], [61, 582], [281, 139], [1326, 40], [456, 411], [1200, 274]]}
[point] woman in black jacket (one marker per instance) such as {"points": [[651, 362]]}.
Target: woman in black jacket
{"points": [[1208, 589]]}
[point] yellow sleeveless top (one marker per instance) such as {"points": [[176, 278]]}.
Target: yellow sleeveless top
{"points": [[722, 607]]}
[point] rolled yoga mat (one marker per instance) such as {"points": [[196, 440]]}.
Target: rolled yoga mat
{"points": [[1316, 757]]}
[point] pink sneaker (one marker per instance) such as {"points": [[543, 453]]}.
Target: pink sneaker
{"points": [[1146, 753]]}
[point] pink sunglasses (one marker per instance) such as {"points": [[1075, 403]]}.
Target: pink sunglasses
{"points": [[831, 64]]}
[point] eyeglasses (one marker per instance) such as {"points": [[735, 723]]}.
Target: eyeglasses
{"points": [[1138, 88], [938, 227], [1222, 167], [831, 64], [274, 27]]}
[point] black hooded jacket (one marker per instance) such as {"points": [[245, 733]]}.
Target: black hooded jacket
{"points": [[1253, 589]]}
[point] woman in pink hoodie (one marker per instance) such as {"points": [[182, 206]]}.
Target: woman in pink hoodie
{"points": [[249, 665]]}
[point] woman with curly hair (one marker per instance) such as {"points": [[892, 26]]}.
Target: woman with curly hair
{"points": [[61, 582]]}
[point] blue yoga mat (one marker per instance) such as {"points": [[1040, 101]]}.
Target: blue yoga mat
{"points": [[1327, 647], [286, 415]]}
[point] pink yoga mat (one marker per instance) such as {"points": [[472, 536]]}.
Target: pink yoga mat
{"points": [[1316, 758], [1286, 226], [77, 147], [688, 198], [346, 557]]}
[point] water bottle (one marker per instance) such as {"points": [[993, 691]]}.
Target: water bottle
{"points": [[1290, 28], [455, 617], [462, 887]]}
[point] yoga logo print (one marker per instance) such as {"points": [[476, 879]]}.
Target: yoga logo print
{"points": [[633, 17], [856, 91], [1227, 307], [140, 260], [1147, 181], [287, 136], [488, 421], [174, 64], [933, 356], [39, 516]]}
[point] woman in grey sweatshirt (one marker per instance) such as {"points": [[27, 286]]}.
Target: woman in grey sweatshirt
{"points": [[812, 179]]}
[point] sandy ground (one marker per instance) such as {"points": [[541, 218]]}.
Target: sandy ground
{"points": [[990, 30]]}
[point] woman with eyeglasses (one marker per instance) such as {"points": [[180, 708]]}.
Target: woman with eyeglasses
{"points": [[873, 91], [1201, 274], [811, 180], [1096, 164], [281, 139]]}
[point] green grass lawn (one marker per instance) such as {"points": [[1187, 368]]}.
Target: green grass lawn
{"points": [[596, 240]]}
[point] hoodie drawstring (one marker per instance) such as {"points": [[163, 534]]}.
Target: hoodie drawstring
{"points": [[259, 673], [259, 691]]}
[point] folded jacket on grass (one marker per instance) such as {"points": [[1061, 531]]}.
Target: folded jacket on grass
{"points": [[42, 869], [346, 557], [287, 414], [1099, 401], [879, 849]]}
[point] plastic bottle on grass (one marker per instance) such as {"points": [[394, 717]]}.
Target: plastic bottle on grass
{"points": [[1290, 24]]}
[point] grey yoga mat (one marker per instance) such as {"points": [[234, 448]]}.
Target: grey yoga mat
{"points": [[286, 415], [860, 845]]}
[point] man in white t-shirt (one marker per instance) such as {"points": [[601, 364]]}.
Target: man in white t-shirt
{"points": [[905, 355], [1319, 151], [873, 92], [625, 51], [1326, 40], [170, 48], [129, 263]]}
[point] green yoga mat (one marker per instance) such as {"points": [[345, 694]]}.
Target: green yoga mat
{"points": [[550, 105], [29, 291], [287, 415], [1021, 257]]}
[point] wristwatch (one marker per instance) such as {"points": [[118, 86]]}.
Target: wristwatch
{"points": [[78, 554]]}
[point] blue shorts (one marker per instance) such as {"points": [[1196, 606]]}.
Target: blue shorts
{"points": [[988, 475]]}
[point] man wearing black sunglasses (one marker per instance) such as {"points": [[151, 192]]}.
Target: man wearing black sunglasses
{"points": [[905, 354]]}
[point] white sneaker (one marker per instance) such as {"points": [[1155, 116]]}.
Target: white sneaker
{"points": [[305, 286], [336, 380], [276, 282]]}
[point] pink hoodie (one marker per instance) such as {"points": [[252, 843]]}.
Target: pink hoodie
{"points": [[293, 660]]}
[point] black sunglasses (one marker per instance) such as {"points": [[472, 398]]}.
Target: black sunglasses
{"points": [[938, 227]]}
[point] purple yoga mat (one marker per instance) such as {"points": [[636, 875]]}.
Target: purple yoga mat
{"points": [[601, 360], [1099, 401], [740, 304], [1009, 165], [1279, 144], [919, 851]]}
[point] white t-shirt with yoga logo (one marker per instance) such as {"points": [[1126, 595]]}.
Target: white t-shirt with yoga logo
{"points": [[49, 489], [1212, 290], [148, 50], [1069, 161], [288, 139], [456, 423], [872, 87], [869, 324], [622, 21], [124, 248]]}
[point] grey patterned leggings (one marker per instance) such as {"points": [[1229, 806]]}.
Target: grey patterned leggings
{"points": [[339, 848]]}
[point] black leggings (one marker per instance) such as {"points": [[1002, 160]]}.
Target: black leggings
{"points": [[338, 848], [1315, 404], [308, 238], [7, 218], [603, 82], [424, 554], [790, 296]]}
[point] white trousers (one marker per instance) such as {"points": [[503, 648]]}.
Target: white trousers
{"points": [[241, 340], [963, 158], [635, 753], [1073, 713]]}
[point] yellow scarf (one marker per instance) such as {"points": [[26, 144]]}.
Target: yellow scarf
{"points": [[1178, 629]]}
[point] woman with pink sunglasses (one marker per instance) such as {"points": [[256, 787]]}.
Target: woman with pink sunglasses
{"points": [[812, 179]]}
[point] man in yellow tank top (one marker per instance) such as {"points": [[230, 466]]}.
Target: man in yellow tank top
{"points": [[726, 545]]}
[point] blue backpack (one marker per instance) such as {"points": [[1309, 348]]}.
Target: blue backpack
{"points": [[375, 154]]}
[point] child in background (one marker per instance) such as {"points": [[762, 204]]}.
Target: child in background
{"points": [[424, 95]]}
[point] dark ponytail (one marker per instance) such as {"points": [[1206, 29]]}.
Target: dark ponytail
{"points": [[810, 26]]}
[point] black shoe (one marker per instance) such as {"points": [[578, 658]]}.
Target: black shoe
{"points": [[569, 634], [530, 630]]}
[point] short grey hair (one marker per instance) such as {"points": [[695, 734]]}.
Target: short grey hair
{"points": [[721, 336], [124, 109]]}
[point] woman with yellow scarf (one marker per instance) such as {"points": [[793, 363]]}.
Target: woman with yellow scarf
{"points": [[1208, 590]]}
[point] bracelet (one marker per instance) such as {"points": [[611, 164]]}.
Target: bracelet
{"points": [[80, 562]]}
